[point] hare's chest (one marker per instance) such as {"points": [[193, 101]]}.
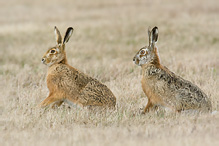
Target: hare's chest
{"points": [[149, 88]]}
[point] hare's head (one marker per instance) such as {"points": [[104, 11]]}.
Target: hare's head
{"points": [[148, 53], [57, 53]]}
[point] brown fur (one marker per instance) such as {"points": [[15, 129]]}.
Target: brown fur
{"points": [[163, 87], [66, 83]]}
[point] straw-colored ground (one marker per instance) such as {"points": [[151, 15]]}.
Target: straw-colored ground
{"points": [[107, 35]]}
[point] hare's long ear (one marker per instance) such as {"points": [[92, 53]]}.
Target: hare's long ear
{"points": [[68, 35], [153, 35], [58, 36], [149, 34]]}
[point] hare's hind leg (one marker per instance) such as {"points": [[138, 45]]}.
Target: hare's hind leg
{"points": [[96, 94], [147, 107], [91, 95], [50, 100]]}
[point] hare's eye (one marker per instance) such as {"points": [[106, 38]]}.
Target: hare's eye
{"points": [[142, 52], [52, 51]]}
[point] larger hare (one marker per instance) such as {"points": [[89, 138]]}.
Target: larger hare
{"points": [[66, 83], [163, 87]]}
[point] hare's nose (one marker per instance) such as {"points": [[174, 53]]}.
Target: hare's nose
{"points": [[43, 59]]}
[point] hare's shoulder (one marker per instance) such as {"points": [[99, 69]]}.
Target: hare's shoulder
{"points": [[61, 69], [172, 80], [70, 76], [158, 72], [65, 71]]}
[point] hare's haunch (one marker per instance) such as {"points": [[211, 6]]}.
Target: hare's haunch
{"points": [[163, 87], [66, 83]]}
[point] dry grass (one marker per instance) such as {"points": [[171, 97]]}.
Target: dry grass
{"points": [[106, 37]]}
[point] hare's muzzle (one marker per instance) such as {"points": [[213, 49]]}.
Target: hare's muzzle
{"points": [[43, 60], [136, 61]]}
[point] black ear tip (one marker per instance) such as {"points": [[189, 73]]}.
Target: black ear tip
{"points": [[155, 28], [70, 28]]}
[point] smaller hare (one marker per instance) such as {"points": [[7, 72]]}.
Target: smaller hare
{"points": [[163, 87], [66, 83]]}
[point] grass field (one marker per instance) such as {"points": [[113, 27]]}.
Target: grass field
{"points": [[107, 34]]}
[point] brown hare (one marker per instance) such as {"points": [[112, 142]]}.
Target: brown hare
{"points": [[163, 87], [66, 83]]}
